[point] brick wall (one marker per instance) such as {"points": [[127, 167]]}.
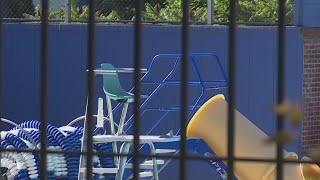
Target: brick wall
{"points": [[311, 89]]}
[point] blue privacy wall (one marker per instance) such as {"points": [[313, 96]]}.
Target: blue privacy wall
{"points": [[307, 13], [256, 66]]}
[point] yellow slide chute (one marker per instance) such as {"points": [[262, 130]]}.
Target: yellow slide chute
{"points": [[210, 124]]}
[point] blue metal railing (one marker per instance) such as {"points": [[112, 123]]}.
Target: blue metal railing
{"points": [[212, 84]]}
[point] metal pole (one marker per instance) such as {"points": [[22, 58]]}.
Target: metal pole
{"points": [[90, 89], [281, 82], [231, 88], [43, 88], [1, 74], [210, 7], [67, 9], [184, 87], [137, 91]]}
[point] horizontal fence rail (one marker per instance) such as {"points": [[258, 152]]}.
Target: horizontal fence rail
{"points": [[177, 156]]}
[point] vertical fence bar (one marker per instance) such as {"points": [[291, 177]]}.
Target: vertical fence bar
{"points": [[210, 11], [1, 68], [231, 87], [184, 86], [90, 88], [281, 81], [43, 88], [137, 67], [67, 11]]}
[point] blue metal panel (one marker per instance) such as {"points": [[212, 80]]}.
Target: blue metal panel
{"points": [[263, 71], [298, 18], [256, 65], [309, 12], [255, 68], [244, 51], [19, 86], [66, 78], [294, 77]]}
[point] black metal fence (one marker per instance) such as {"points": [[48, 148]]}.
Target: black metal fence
{"points": [[152, 11], [182, 157]]}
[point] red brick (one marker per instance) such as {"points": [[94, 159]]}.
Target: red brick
{"points": [[310, 137]]}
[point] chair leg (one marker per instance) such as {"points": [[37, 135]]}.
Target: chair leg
{"points": [[109, 105], [125, 147], [114, 144], [122, 118], [82, 162], [154, 162]]}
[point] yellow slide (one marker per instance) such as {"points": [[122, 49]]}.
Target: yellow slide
{"points": [[210, 124]]}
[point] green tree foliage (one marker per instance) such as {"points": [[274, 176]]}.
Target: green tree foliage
{"points": [[248, 11], [123, 8], [16, 8], [262, 11], [171, 11], [77, 14]]}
